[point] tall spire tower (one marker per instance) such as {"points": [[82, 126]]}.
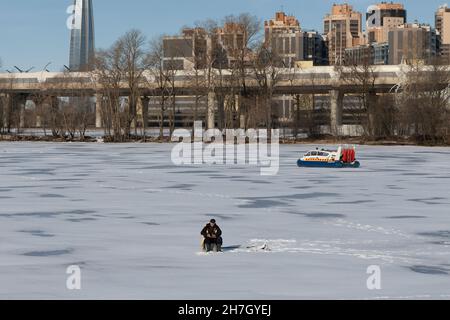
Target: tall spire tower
{"points": [[82, 42]]}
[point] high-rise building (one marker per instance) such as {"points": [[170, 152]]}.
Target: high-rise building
{"points": [[281, 24], [283, 34], [196, 47], [292, 45], [368, 54], [412, 43], [186, 51], [313, 48], [381, 17], [227, 44], [343, 29], [443, 27], [82, 44]]}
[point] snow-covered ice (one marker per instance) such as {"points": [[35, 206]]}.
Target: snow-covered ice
{"points": [[131, 220]]}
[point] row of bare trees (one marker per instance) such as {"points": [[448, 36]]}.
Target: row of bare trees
{"points": [[142, 69], [418, 107], [423, 106]]}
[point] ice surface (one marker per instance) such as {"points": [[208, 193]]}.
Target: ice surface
{"points": [[131, 220]]}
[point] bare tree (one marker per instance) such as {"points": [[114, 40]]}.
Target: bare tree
{"points": [[3, 107], [109, 75], [117, 68], [42, 99], [163, 77], [208, 59], [303, 113], [362, 76], [197, 85], [242, 56], [267, 74], [135, 63], [7, 100], [55, 117], [76, 111], [424, 105], [386, 116]]}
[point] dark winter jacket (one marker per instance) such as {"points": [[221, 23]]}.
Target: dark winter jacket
{"points": [[211, 232]]}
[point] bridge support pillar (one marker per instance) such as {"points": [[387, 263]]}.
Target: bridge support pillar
{"points": [[98, 110], [138, 121], [6, 111], [373, 100], [239, 112], [336, 99], [37, 112], [211, 110], [145, 101], [21, 102]]}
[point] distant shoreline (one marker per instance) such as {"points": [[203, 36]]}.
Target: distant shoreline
{"points": [[283, 141]]}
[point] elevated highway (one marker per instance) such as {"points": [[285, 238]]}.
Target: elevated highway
{"points": [[316, 80], [289, 81]]}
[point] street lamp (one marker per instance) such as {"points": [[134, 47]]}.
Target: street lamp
{"points": [[45, 68], [23, 71]]}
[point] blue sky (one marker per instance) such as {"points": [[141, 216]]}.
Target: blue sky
{"points": [[33, 33]]}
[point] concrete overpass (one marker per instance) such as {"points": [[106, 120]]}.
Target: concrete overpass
{"points": [[289, 81], [316, 80]]}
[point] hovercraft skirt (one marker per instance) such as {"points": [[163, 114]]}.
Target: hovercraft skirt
{"points": [[319, 164]]}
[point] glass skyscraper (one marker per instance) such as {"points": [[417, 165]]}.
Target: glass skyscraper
{"points": [[82, 43]]}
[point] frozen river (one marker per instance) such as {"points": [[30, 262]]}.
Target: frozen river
{"points": [[131, 221]]}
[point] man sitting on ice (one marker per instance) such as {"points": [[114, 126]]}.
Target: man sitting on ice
{"points": [[212, 234]]}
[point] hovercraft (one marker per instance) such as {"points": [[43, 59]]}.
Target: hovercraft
{"points": [[343, 157]]}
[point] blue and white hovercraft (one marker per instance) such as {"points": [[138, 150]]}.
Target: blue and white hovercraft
{"points": [[343, 157]]}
